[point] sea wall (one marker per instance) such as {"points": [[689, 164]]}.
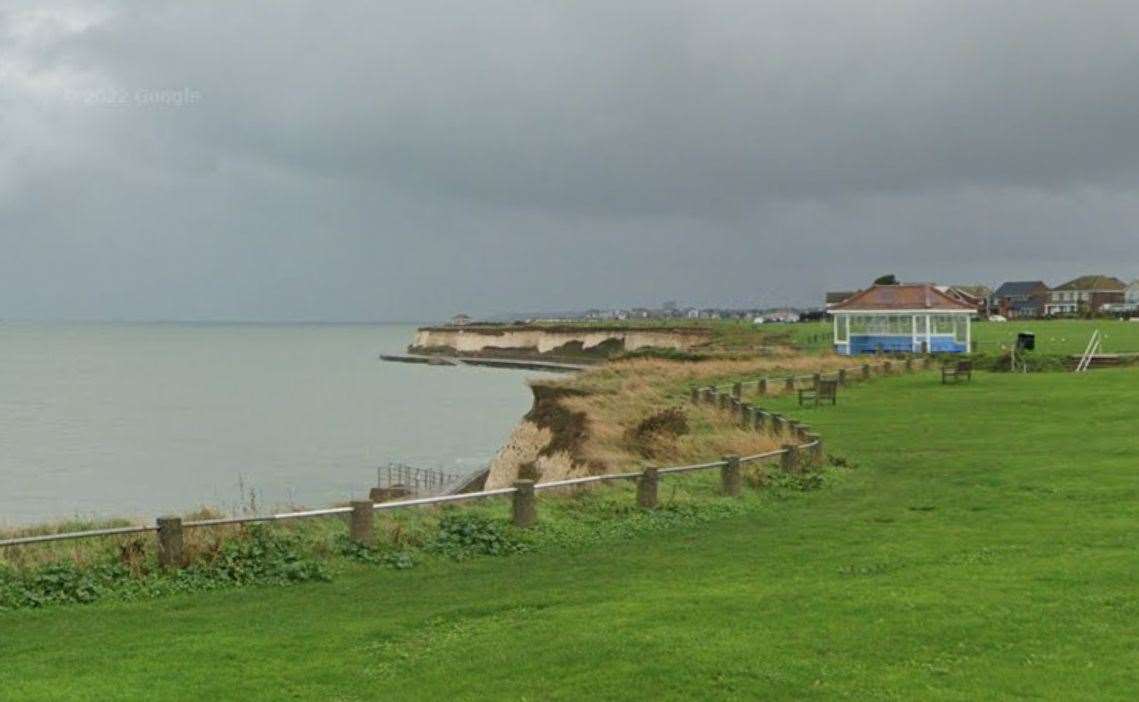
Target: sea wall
{"points": [[553, 340]]}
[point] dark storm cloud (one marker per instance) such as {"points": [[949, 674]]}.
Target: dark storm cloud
{"points": [[404, 160]]}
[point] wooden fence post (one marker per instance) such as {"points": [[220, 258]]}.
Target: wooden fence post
{"points": [[737, 390], [789, 461], [730, 477], [778, 424], [362, 523], [761, 387], [815, 380], [803, 430], [789, 384], [758, 419], [818, 456], [694, 395], [746, 413], [525, 509], [842, 376], [725, 398], [647, 488], [170, 542], [708, 395]]}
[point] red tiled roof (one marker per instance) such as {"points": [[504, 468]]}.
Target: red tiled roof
{"points": [[920, 296]]}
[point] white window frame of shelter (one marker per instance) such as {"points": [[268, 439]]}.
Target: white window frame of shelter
{"points": [[842, 329]]}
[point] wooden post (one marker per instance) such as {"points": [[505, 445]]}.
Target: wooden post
{"points": [[761, 387], [815, 380], [525, 510], [789, 461], [362, 523], [817, 454], [792, 428], [746, 412], [842, 376], [730, 477], [759, 419], [725, 398], [706, 395], [737, 390], [866, 371], [803, 430], [170, 543], [694, 395], [778, 424], [647, 488]]}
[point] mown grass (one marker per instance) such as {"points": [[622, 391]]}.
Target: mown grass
{"points": [[983, 547], [1059, 336]]}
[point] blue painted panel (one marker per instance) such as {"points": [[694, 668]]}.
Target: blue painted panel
{"points": [[870, 343], [946, 344]]}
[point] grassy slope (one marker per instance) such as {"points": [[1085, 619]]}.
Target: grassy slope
{"points": [[984, 547]]}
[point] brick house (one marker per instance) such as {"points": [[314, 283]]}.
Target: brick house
{"points": [[1086, 294], [1021, 299]]}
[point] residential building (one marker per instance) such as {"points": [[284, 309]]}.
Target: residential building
{"points": [[1085, 295], [976, 295], [1130, 304], [1021, 299]]}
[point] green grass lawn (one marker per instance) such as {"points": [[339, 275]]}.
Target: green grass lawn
{"points": [[983, 547], [1062, 336]]}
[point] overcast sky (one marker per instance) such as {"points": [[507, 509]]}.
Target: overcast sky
{"points": [[294, 160]]}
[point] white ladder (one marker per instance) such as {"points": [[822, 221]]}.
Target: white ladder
{"points": [[1091, 350]]}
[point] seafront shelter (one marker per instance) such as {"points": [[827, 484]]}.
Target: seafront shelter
{"points": [[909, 318]]}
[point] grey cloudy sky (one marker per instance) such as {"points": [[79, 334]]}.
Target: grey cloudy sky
{"points": [[407, 160]]}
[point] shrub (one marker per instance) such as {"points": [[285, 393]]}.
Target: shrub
{"points": [[259, 555], [462, 535], [653, 435]]}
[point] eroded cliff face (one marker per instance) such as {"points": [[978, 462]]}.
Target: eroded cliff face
{"points": [[544, 444], [525, 341]]}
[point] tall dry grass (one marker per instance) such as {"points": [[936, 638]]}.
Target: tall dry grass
{"points": [[622, 394]]}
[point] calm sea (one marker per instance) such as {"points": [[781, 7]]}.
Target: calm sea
{"points": [[140, 419]]}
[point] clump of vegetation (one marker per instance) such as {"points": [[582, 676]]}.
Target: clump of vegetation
{"points": [[465, 534], [260, 555], [1035, 362], [655, 435]]}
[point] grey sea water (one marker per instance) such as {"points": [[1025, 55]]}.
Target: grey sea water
{"points": [[135, 420]]}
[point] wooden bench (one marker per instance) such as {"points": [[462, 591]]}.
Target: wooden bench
{"points": [[822, 390], [956, 371]]}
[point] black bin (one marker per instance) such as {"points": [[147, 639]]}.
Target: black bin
{"points": [[1026, 341]]}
